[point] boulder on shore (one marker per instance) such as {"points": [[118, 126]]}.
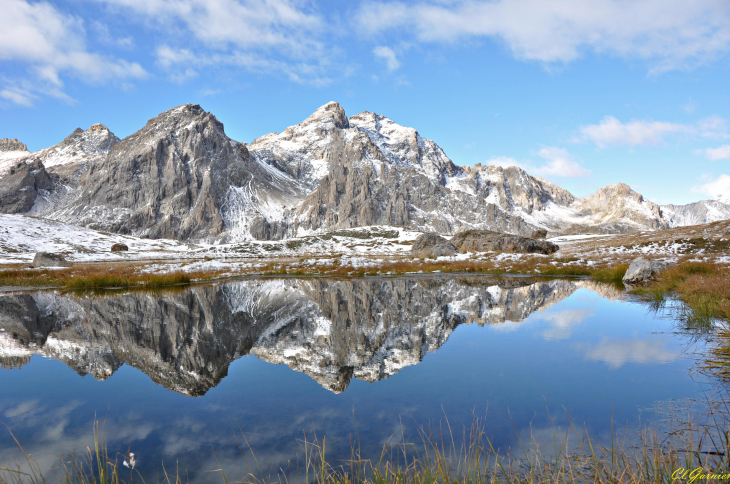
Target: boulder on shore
{"points": [[120, 248], [488, 241], [643, 270], [49, 259], [432, 245]]}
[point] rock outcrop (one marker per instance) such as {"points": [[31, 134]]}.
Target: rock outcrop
{"points": [[432, 245], [7, 144], [49, 259], [21, 186], [487, 241], [643, 270]]}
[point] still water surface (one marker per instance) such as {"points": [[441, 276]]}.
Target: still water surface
{"points": [[175, 374]]}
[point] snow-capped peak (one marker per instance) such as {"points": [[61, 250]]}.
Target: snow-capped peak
{"points": [[404, 147], [79, 145]]}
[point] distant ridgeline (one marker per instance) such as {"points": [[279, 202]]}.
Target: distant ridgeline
{"points": [[181, 177]]}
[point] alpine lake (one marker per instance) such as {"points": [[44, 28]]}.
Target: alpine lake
{"points": [[246, 372]]}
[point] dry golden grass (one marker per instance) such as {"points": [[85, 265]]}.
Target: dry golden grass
{"points": [[89, 276], [133, 275], [704, 287]]}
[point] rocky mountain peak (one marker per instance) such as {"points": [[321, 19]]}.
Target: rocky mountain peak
{"points": [[80, 146], [329, 116], [98, 128], [186, 116], [618, 206], [7, 144], [610, 194]]}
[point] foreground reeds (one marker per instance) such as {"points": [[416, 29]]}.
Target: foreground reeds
{"points": [[691, 450]]}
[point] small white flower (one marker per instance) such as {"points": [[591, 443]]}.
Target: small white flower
{"points": [[131, 462]]}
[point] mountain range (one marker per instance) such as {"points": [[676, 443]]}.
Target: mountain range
{"points": [[181, 177]]}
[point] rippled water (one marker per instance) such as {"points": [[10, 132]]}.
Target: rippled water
{"points": [[365, 360]]}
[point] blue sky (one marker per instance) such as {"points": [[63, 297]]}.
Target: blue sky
{"points": [[582, 92]]}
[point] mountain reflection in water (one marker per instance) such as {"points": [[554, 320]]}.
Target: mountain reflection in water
{"points": [[331, 330]]}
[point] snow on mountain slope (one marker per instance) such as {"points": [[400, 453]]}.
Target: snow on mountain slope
{"points": [[181, 177], [21, 237], [79, 146], [404, 148], [11, 152], [696, 213], [301, 151]]}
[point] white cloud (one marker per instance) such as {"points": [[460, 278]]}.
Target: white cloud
{"points": [[560, 163], [721, 153], [388, 55], [712, 127], [506, 162], [612, 132], [717, 188], [179, 61], [20, 97], [672, 34], [281, 36], [242, 23], [53, 44]]}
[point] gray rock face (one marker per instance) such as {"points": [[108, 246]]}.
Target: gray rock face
{"points": [[432, 245], [643, 270], [332, 330], [20, 186], [486, 241], [7, 144], [383, 173], [49, 259], [181, 177]]}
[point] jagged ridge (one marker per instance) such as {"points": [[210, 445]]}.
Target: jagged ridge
{"points": [[182, 177]]}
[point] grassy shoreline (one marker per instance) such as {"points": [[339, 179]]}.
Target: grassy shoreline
{"points": [[704, 288], [91, 276]]}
